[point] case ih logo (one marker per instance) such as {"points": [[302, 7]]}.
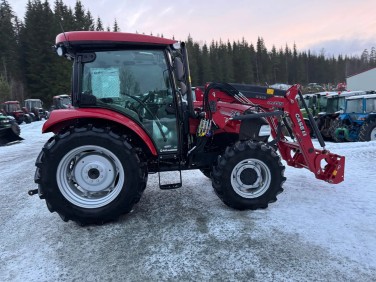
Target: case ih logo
{"points": [[301, 125]]}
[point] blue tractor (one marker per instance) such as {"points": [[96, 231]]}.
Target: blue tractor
{"points": [[358, 122]]}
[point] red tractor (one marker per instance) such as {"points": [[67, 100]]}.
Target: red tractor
{"points": [[133, 114], [12, 108]]}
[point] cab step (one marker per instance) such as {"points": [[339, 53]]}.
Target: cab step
{"points": [[166, 177]]}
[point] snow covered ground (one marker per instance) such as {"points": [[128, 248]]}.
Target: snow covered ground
{"points": [[314, 232]]}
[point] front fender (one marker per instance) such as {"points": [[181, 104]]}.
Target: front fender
{"points": [[58, 118]]}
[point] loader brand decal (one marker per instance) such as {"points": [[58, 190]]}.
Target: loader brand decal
{"points": [[270, 91], [301, 125], [275, 103], [233, 113], [168, 150]]}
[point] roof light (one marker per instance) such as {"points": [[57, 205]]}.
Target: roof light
{"points": [[60, 51]]}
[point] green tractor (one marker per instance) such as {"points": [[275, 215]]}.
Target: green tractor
{"points": [[9, 130], [316, 103]]}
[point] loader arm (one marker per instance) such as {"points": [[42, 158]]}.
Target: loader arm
{"points": [[288, 129]]}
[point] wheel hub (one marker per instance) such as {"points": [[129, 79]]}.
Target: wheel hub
{"points": [[94, 172], [250, 178]]}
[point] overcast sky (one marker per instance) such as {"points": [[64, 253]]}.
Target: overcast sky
{"points": [[334, 26]]}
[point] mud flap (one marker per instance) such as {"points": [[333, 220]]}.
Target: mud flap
{"points": [[8, 137]]}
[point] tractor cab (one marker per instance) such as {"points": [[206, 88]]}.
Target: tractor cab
{"points": [[145, 82], [34, 107], [115, 80]]}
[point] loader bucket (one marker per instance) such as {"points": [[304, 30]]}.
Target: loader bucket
{"points": [[8, 137]]}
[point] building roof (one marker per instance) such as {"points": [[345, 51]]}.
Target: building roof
{"points": [[361, 72]]}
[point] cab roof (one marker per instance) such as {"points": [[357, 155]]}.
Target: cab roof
{"points": [[367, 96], [91, 37]]}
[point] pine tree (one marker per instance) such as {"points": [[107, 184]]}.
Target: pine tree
{"points": [[372, 57], [89, 22], [5, 94], [79, 17], [116, 26], [9, 45], [205, 71], [99, 26], [36, 37]]}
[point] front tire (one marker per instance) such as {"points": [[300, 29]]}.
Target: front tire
{"points": [[248, 176], [368, 131], [89, 175], [332, 131]]}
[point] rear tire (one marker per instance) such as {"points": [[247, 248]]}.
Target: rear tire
{"points": [[248, 176], [368, 131], [89, 175]]}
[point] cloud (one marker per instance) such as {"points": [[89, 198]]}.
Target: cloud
{"points": [[349, 46]]}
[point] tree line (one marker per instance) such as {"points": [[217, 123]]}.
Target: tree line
{"points": [[29, 68]]}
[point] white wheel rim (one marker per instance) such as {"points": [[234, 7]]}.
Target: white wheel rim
{"points": [[90, 176], [373, 134], [250, 178]]}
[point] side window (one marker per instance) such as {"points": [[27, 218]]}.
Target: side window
{"points": [[371, 105]]}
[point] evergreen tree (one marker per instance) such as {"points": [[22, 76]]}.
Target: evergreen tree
{"points": [[89, 22], [9, 45], [79, 17], [116, 26], [205, 71], [4, 89], [99, 26], [36, 37]]}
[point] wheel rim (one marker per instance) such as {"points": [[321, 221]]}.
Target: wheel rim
{"points": [[373, 134], [90, 176], [250, 178]]}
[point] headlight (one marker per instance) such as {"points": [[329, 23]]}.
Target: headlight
{"points": [[264, 130]]}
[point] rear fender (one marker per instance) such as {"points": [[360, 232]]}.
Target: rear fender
{"points": [[61, 118]]}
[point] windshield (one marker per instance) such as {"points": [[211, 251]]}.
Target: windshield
{"points": [[33, 104], [335, 104], [13, 107], [137, 84], [65, 101], [354, 106], [332, 105], [321, 102]]}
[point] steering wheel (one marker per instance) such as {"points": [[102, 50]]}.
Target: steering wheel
{"points": [[154, 117]]}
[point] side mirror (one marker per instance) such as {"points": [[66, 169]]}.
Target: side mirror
{"points": [[179, 69], [183, 88]]}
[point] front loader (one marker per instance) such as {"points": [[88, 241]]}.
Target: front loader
{"points": [[134, 114]]}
